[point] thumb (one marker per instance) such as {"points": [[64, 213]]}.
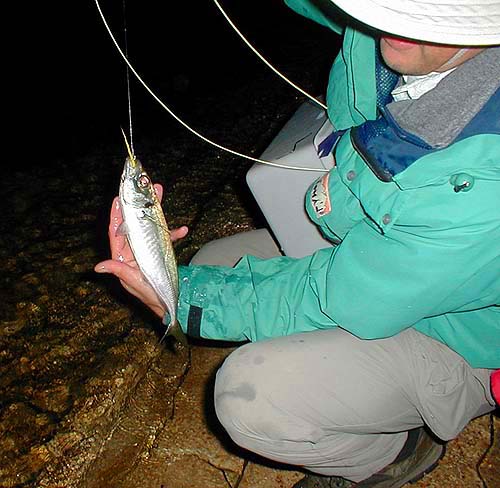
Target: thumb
{"points": [[109, 266]]}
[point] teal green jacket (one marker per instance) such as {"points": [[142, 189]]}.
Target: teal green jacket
{"points": [[417, 250]]}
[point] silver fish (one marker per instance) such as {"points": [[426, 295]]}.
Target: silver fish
{"points": [[148, 235]]}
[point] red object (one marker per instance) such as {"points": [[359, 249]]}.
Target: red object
{"points": [[495, 385]]}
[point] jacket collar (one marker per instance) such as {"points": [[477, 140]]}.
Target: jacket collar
{"points": [[457, 98]]}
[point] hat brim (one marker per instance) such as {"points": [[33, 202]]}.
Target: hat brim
{"points": [[461, 22]]}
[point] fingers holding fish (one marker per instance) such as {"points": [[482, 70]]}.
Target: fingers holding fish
{"points": [[142, 255], [159, 191], [180, 233], [120, 250], [118, 241], [132, 279], [123, 264]]}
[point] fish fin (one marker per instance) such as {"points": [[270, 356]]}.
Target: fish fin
{"points": [[174, 329], [122, 229]]}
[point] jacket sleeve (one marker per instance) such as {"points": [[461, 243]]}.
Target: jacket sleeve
{"points": [[256, 299], [373, 284]]}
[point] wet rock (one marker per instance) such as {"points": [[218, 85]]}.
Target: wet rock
{"points": [[460, 467], [259, 475], [21, 427], [489, 465], [56, 399]]}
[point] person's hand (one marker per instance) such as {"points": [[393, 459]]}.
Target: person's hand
{"points": [[123, 265]]}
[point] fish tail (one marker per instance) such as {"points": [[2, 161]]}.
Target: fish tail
{"points": [[174, 329]]}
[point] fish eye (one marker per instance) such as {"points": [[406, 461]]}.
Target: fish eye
{"points": [[143, 181]]}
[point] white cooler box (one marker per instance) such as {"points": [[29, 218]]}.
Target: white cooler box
{"points": [[280, 192]]}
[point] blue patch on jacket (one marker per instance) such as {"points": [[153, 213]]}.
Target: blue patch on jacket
{"points": [[388, 149], [386, 80]]}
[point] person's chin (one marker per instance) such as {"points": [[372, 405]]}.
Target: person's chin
{"points": [[398, 54]]}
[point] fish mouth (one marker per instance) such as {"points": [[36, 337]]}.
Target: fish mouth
{"points": [[131, 162]]}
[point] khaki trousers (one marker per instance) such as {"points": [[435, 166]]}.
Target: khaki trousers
{"points": [[335, 404]]}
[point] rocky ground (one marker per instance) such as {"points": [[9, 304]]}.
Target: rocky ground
{"points": [[89, 398]]}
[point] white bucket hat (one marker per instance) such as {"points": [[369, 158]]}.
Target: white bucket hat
{"points": [[457, 22]]}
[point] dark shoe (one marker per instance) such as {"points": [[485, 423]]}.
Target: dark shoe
{"points": [[420, 455], [317, 481]]}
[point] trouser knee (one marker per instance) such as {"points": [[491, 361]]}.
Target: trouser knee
{"points": [[250, 401], [235, 401]]}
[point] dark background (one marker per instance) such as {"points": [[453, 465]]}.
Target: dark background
{"points": [[69, 94]]}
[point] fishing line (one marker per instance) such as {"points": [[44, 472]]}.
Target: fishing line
{"points": [[265, 61], [184, 124], [129, 97]]}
